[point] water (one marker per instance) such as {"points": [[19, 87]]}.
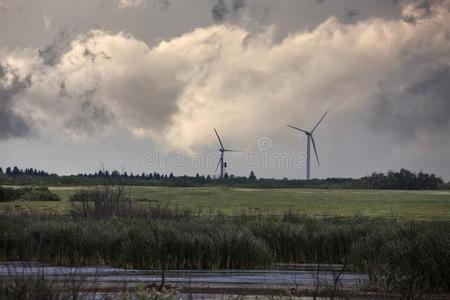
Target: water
{"points": [[257, 281]]}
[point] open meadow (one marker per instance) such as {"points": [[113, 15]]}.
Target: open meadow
{"points": [[231, 201]]}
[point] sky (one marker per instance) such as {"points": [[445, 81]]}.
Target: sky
{"points": [[139, 85]]}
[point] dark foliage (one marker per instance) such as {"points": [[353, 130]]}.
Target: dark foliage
{"points": [[109, 201], [40, 194], [10, 194], [28, 194], [410, 257], [402, 179]]}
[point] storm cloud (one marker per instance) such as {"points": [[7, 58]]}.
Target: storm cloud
{"points": [[421, 107], [383, 78], [222, 8], [12, 124], [51, 54]]}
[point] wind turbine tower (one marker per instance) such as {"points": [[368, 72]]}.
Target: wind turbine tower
{"points": [[222, 150], [309, 140]]}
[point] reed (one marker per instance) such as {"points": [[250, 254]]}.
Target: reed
{"points": [[407, 256]]}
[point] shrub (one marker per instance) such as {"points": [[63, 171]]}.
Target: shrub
{"points": [[40, 194], [10, 194], [27, 194], [101, 202], [107, 201]]}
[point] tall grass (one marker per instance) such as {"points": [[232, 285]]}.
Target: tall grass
{"points": [[408, 257], [138, 243]]}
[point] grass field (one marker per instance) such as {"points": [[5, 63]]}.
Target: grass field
{"points": [[316, 202]]}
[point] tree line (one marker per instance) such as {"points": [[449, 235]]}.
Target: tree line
{"points": [[15, 171], [403, 179]]}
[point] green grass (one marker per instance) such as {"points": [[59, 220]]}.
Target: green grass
{"points": [[315, 202]]}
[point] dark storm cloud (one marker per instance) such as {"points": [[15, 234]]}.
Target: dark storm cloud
{"points": [[351, 13], [422, 10], [92, 117], [434, 91], [238, 5], [222, 8], [219, 10], [164, 5], [89, 53], [11, 124], [422, 106], [51, 54]]}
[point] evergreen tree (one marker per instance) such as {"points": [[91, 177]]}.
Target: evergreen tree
{"points": [[16, 171]]}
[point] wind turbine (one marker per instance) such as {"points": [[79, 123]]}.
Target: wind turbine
{"points": [[222, 150], [310, 138]]}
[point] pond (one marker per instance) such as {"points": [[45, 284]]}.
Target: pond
{"points": [[199, 284]]}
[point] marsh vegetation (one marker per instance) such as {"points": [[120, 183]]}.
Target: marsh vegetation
{"points": [[105, 227]]}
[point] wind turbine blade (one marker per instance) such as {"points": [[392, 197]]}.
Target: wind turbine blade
{"points": [[296, 128], [218, 137], [231, 150], [319, 121], [220, 160], [315, 150]]}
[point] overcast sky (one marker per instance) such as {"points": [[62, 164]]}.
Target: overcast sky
{"points": [[138, 85]]}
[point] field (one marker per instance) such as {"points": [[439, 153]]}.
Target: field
{"points": [[315, 202]]}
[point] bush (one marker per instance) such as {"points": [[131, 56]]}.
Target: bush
{"points": [[108, 201], [10, 194], [102, 202], [27, 194], [40, 194]]}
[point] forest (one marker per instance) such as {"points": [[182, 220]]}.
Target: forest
{"points": [[392, 180]]}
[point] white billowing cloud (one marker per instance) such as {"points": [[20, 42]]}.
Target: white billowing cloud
{"points": [[47, 21], [130, 3], [373, 72]]}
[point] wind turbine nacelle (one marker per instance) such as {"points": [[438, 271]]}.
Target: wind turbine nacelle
{"points": [[224, 164]]}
